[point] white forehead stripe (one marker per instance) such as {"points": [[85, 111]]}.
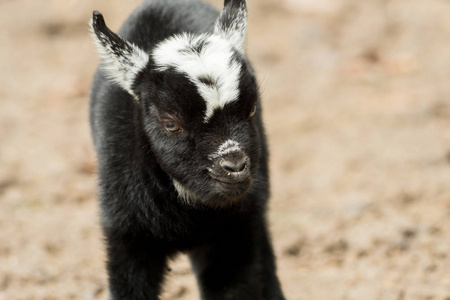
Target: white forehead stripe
{"points": [[227, 147], [203, 57]]}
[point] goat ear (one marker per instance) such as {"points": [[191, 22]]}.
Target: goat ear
{"points": [[232, 23], [122, 61]]}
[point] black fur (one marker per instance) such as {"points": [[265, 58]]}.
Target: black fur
{"points": [[222, 227]]}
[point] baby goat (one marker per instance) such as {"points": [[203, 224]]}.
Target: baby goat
{"points": [[176, 121]]}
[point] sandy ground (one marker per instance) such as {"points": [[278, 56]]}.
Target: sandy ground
{"points": [[356, 100]]}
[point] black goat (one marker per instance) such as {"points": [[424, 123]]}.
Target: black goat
{"points": [[182, 156]]}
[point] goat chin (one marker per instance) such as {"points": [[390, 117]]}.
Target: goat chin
{"points": [[222, 194]]}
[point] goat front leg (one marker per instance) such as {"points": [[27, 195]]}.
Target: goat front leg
{"points": [[240, 266], [136, 266]]}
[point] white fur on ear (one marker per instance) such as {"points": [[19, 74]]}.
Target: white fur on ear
{"points": [[232, 23], [121, 60]]}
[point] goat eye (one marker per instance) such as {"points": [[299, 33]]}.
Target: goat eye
{"points": [[252, 112], [171, 126]]}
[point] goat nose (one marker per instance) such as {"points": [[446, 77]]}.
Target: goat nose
{"points": [[234, 164]]}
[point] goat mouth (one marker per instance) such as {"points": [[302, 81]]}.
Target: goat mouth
{"points": [[232, 188], [231, 181]]}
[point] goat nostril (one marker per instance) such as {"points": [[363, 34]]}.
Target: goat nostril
{"points": [[233, 166]]}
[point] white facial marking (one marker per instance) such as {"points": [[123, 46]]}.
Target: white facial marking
{"points": [[121, 64], [227, 147], [183, 192], [235, 31], [208, 62]]}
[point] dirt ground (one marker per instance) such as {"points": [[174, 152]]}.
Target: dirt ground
{"points": [[356, 104]]}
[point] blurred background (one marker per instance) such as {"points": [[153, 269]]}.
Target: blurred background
{"points": [[356, 106]]}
